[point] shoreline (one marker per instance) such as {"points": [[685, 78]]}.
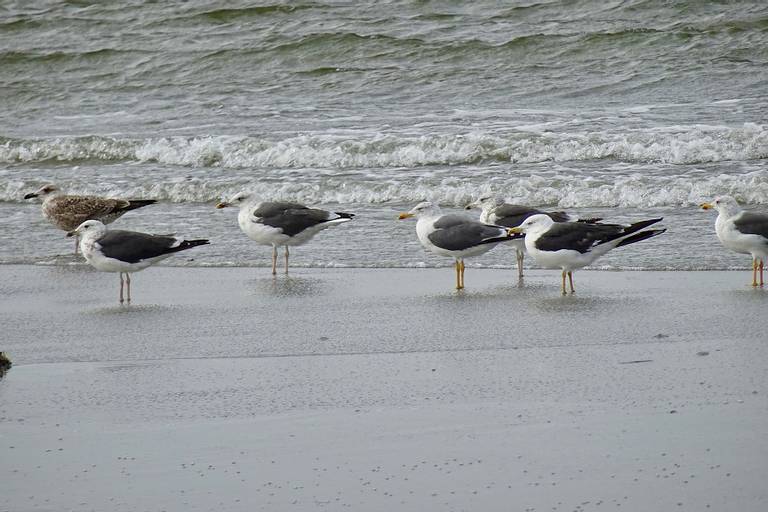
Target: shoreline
{"points": [[227, 389]]}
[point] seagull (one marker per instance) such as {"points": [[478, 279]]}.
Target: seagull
{"points": [[740, 231], [67, 212], [495, 211], [280, 223], [455, 235], [573, 245], [126, 251]]}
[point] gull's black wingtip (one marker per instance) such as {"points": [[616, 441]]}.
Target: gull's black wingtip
{"points": [[188, 244], [642, 235]]}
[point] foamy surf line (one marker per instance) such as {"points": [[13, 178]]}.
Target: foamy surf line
{"points": [[676, 145], [395, 188]]}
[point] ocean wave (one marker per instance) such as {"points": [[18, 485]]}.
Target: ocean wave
{"points": [[59, 57], [676, 145], [236, 14], [559, 190]]}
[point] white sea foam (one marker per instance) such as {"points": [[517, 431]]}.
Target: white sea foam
{"points": [[675, 145], [560, 190]]}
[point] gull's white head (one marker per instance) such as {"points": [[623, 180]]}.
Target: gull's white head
{"points": [[43, 191], [89, 229], [486, 203], [724, 204], [534, 224], [423, 209], [240, 199]]}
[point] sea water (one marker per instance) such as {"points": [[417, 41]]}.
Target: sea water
{"points": [[617, 109]]}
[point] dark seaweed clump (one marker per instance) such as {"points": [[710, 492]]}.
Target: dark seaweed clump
{"points": [[5, 364]]}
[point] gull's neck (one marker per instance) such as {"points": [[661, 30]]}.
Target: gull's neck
{"points": [[93, 234], [52, 195], [728, 211]]}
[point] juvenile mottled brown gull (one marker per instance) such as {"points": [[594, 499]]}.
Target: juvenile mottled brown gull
{"points": [[741, 231], [574, 245], [281, 223], [455, 235], [499, 213], [67, 212], [126, 251]]}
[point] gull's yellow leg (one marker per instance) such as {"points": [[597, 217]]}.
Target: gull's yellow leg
{"points": [[274, 260], [128, 285], [458, 275], [570, 281], [754, 272], [462, 274], [286, 260], [121, 288], [562, 288]]}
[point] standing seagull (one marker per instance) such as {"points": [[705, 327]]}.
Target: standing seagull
{"points": [[741, 231], [495, 211], [455, 235], [573, 245], [126, 251], [276, 223], [67, 212]]}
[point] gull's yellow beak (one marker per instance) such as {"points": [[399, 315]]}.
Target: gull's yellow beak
{"points": [[71, 233], [515, 231], [706, 206], [405, 215], [221, 205]]}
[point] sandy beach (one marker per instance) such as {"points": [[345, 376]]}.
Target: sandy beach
{"points": [[226, 389]]}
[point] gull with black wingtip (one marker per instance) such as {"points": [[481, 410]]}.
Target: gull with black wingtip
{"points": [[500, 213], [742, 231], [573, 245], [126, 251], [455, 235], [281, 223]]}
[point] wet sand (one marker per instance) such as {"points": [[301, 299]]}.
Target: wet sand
{"points": [[226, 389]]}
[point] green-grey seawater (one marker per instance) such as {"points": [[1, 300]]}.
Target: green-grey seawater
{"points": [[619, 108]]}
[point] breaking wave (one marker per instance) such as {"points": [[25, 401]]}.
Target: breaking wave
{"points": [[675, 145], [555, 190]]}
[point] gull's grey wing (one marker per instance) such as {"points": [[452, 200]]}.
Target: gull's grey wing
{"points": [[452, 219], [752, 224], [458, 233], [512, 215], [291, 218], [577, 236], [133, 247], [271, 209]]}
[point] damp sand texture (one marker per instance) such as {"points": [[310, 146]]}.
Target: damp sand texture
{"points": [[226, 389]]}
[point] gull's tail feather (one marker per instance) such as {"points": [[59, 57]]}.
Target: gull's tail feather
{"points": [[188, 244], [637, 226], [643, 235], [505, 238], [138, 203]]}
